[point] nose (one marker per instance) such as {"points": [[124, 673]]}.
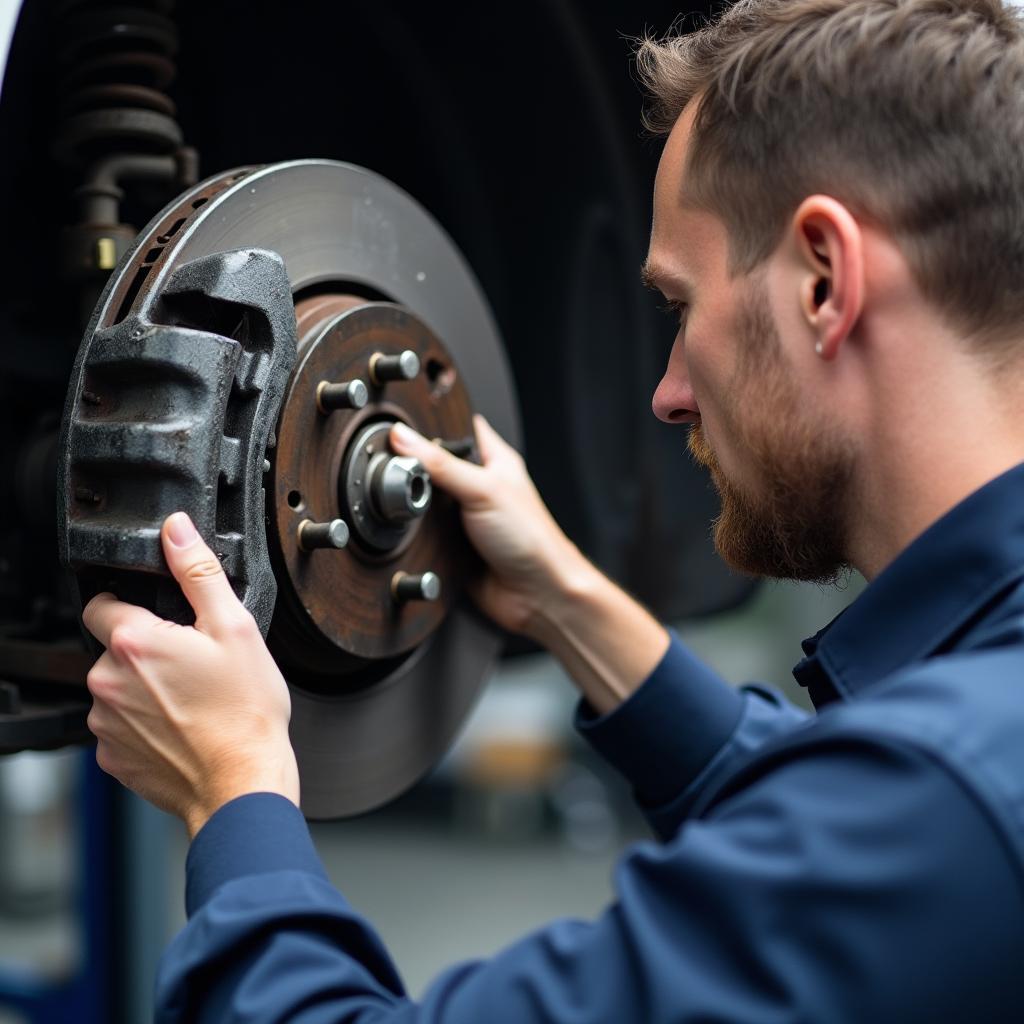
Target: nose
{"points": [[674, 401]]}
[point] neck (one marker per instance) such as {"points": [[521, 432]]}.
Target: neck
{"points": [[944, 428]]}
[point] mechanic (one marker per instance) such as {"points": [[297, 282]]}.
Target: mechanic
{"points": [[839, 221]]}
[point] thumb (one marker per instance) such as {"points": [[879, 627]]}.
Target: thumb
{"points": [[463, 480], [199, 574]]}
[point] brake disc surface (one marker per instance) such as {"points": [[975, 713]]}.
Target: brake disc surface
{"points": [[375, 704]]}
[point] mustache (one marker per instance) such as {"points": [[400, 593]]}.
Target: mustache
{"points": [[699, 449]]}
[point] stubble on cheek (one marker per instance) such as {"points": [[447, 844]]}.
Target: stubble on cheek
{"points": [[786, 522]]}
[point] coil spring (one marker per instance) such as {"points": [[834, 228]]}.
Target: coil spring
{"points": [[115, 59]]}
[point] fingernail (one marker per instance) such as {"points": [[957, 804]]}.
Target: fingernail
{"points": [[180, 530], [406, 435]]}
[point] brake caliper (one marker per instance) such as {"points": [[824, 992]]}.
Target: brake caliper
{"points": [[173, 408]]}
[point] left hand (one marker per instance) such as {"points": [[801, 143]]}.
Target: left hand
{"points": [[189, 717]]}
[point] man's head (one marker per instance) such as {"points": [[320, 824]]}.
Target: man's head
{"points": [[829, 165]]}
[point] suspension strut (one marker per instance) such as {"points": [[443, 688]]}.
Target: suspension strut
{"points": [[116, 125]]}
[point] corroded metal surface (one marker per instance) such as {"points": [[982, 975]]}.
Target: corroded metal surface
{"points": [[319, 471], [174, 407]]}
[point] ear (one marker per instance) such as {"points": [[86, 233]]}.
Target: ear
{"points": [[832, 287]]}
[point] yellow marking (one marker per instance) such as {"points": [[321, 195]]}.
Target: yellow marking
{"points": [[106, 254]]}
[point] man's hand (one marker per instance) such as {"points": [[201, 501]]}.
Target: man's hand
{"points": [[531, 563], [189, 717], [537, 582]]}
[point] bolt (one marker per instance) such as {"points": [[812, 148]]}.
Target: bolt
{"points": [[311, 536], [106, 253], [405, 366], [266, 465], [351, 394], [407, 586]]}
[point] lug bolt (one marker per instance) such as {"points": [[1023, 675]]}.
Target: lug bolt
{"points": [[405, 366], [311, 536], [407, 586], [352, 394]]}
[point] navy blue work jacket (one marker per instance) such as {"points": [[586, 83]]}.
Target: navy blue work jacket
{"points": [[865, 864]]}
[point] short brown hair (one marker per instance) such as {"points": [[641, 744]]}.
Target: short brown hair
{"points": [[911, 112]]}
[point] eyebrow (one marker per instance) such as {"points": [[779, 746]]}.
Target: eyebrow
{"points": [[648, 276], [658, 280]]}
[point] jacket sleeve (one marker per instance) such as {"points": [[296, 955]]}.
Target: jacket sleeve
{"points": [[682, 732], [794, 899]]}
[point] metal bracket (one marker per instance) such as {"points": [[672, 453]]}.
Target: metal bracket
{"points": [[173, 409]]}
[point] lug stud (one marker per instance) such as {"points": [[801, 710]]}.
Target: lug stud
{"points": [[311, 536], [407, 586], [351, 394], [405, 366]]}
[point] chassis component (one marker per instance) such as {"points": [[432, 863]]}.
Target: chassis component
{"points": [[173, 405], [163, 414]]}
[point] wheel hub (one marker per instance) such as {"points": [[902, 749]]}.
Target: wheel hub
{"points": [[336, 463], [384, 494]]}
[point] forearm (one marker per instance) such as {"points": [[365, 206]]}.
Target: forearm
{"points": [[606, 641]]}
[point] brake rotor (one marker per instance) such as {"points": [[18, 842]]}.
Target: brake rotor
{"points": [[383, 657]]}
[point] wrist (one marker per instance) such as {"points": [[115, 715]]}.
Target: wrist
{"points": [[571, 579], [276, 775], [607, 642]]}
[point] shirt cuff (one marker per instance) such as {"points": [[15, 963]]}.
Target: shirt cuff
{"points": [[665, 733], [250, 835]]}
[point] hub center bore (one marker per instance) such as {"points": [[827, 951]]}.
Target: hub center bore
{"points": [[383, 494]]}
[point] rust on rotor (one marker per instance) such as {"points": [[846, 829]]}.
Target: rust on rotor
{"points": [[344, 596]]}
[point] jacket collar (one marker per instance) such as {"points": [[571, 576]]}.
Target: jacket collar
{"points": [[925, 599]]}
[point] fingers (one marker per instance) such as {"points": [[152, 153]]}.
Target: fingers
{"points": [[489, 441], [463, 480], [104, 613], [200, 575]]}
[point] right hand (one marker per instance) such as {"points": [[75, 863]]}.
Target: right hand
{"points": [[189, 717], [530, 561]]}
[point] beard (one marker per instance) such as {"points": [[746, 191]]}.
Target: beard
{"points": [[790, 522]]}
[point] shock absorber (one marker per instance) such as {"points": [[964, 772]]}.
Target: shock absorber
{"points": [[116, 124]]}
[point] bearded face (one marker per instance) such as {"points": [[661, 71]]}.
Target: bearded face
{"points": [[787, 520]]}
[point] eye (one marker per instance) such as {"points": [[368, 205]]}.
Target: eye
{"points": [[676, 309]]}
